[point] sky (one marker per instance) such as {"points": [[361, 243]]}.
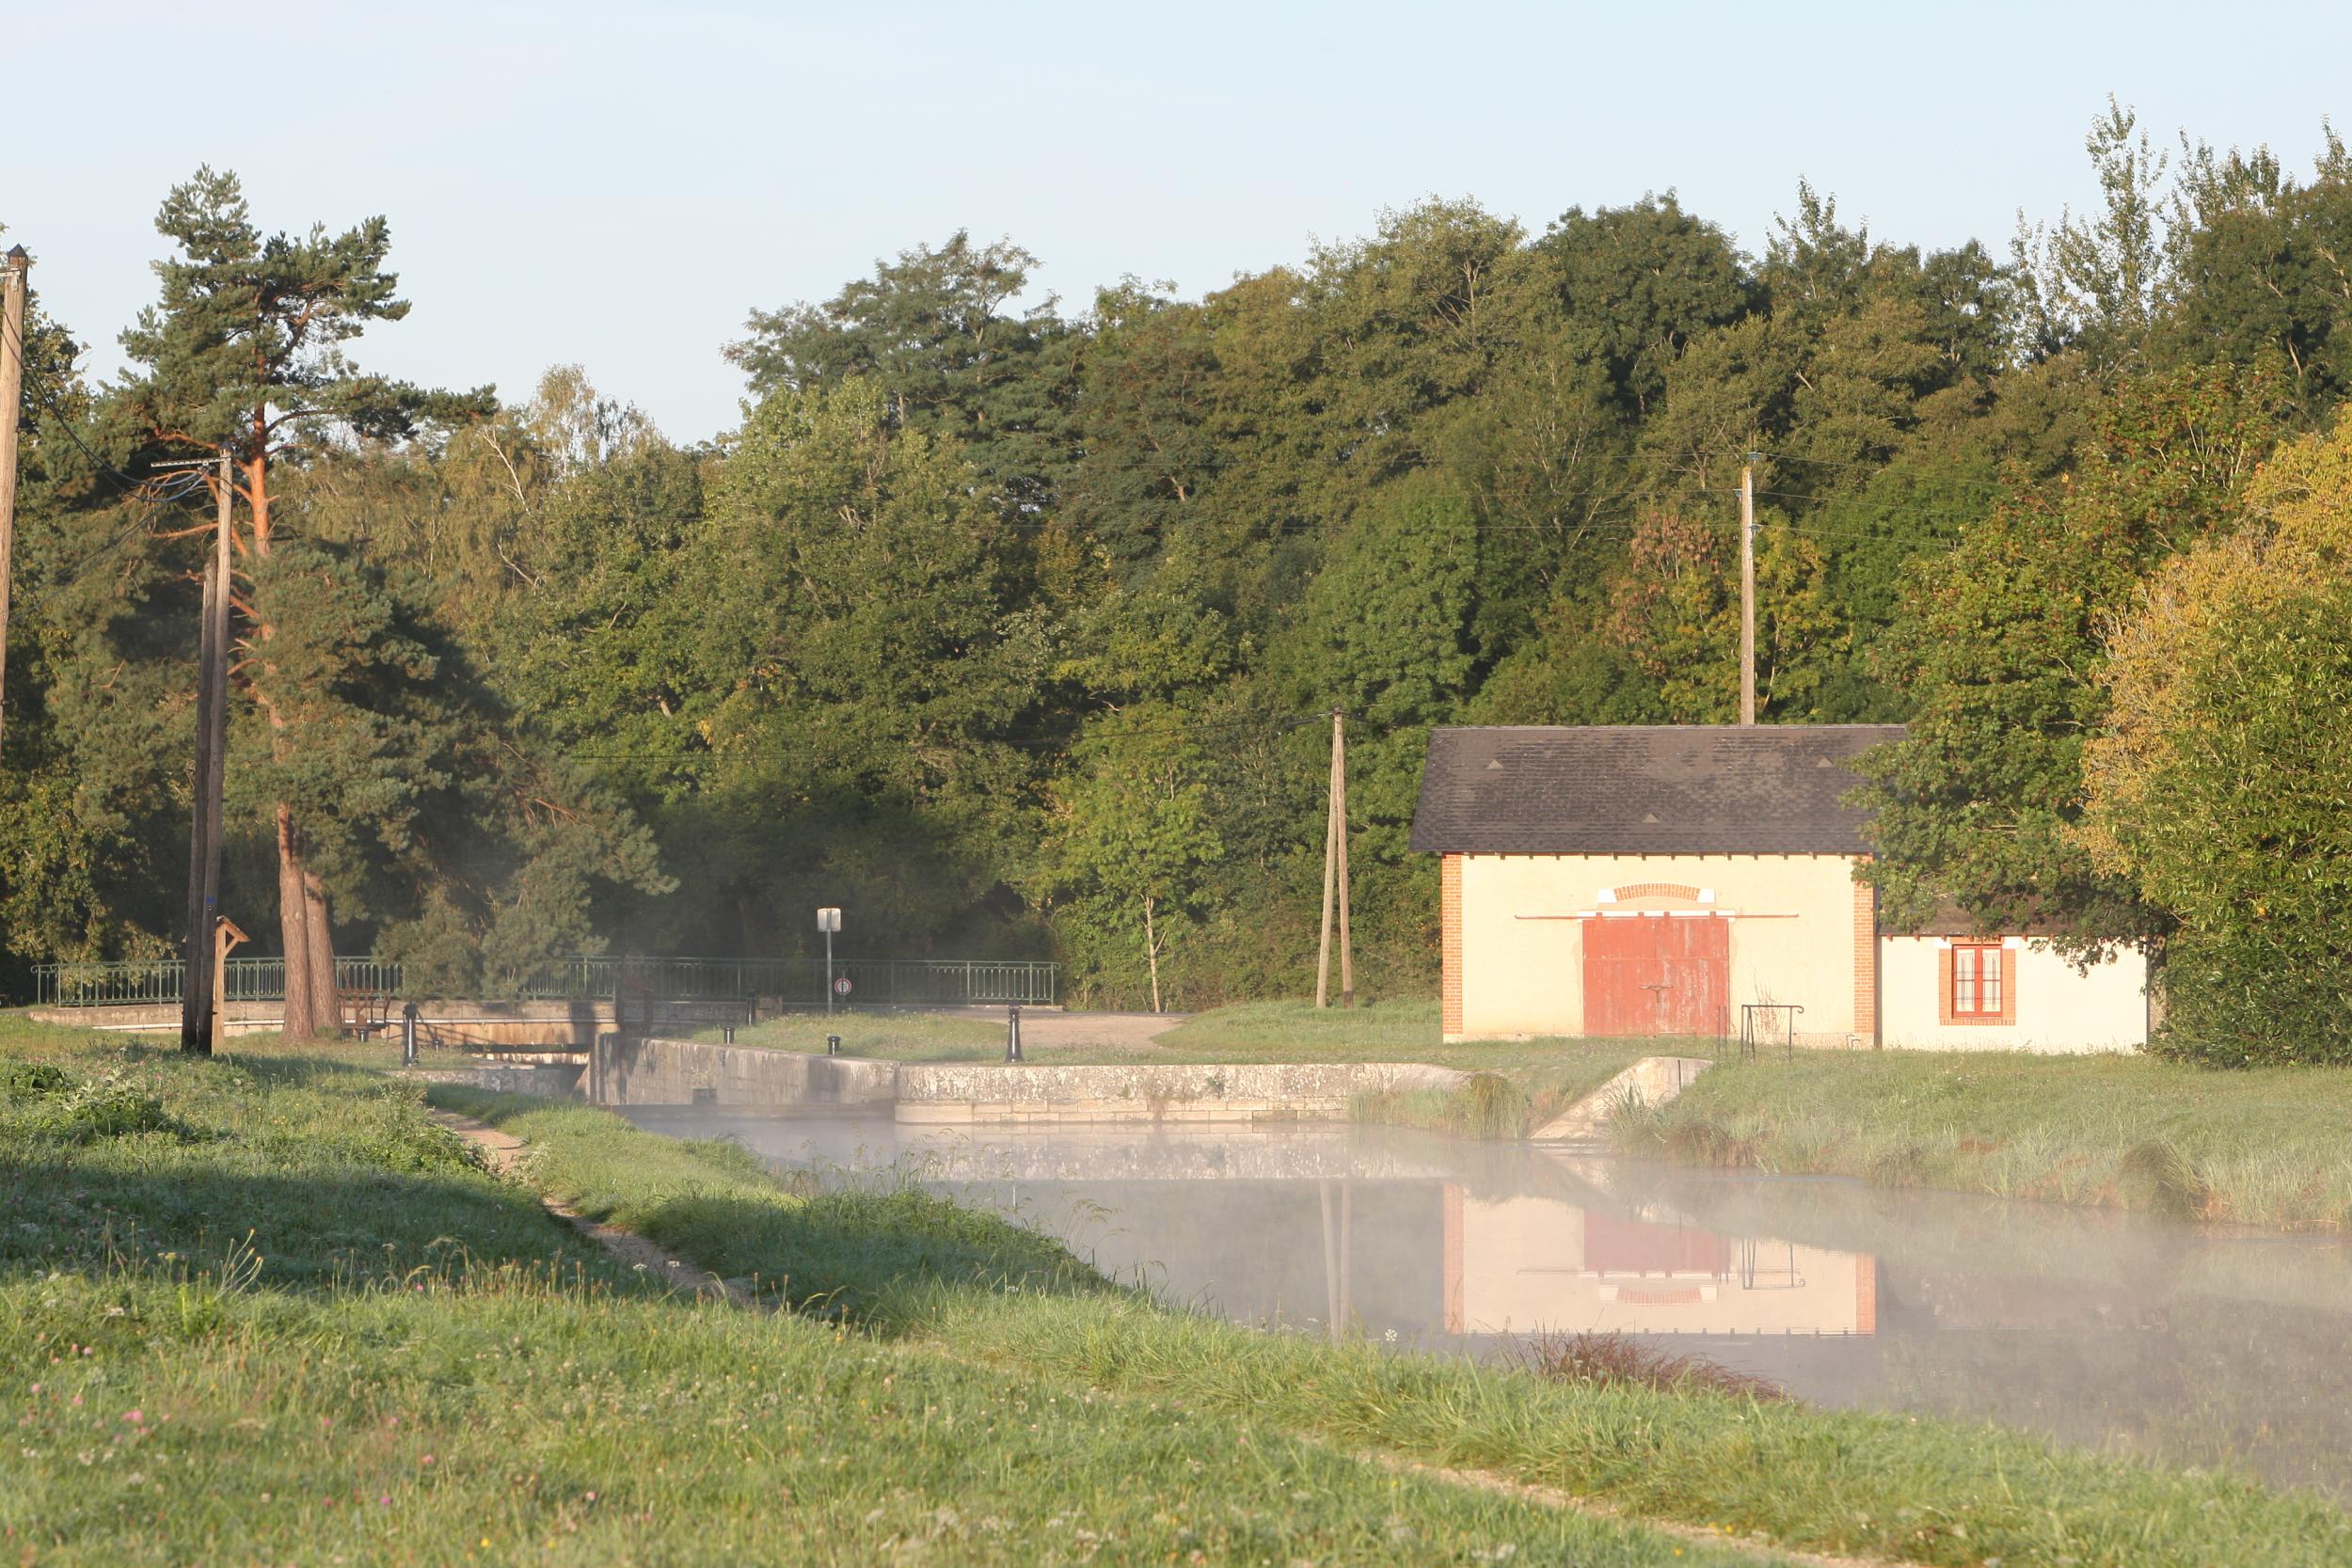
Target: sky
{"points": [[618, 186]]}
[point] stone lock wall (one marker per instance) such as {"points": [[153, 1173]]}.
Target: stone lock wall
{"points": [[692, 1072]]}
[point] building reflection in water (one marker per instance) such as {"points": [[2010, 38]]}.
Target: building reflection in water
{"points": [[1532, 1264]]}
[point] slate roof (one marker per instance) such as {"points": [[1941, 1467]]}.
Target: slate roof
{"points": [[1645, 789]]}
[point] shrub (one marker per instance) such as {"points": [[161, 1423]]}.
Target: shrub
{"points": [[32, 1080], [2269, 996], [106, 1107]]}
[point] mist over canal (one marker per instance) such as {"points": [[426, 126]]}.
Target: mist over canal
{"points": [[2121, 1332]]}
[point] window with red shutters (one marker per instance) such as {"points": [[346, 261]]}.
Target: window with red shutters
{"points": [[1979, 982]]}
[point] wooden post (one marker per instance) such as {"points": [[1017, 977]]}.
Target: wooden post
{"points": [[1747, 591], [200, 995], [1339, 835], [12, 405], [226, 936]]}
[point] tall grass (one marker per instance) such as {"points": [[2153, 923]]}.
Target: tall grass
{"points": [[2265, 1146]]}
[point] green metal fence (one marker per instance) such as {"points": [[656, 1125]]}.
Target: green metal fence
{"points": [[789, 981]]}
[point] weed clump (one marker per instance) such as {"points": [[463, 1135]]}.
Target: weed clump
{"points": [[33, 1079], [2156, 1175], [1700, 1141], [105, 1107], [1489, 1105], [1604, 1361]]}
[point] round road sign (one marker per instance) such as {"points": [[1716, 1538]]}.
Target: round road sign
{"points": [[841, 987]]}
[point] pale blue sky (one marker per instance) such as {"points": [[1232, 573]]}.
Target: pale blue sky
{"points": [[620, 185]]}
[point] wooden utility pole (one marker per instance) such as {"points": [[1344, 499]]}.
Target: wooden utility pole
{"points": [[1331, 875], [1339, 831], [12, 270], [1747, 591], [199, 996], [1335, 879]]}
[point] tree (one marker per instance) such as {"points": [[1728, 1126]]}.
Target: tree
{"points": [[2261, 266], [425, 806], [2217, 789], [1999, 647], [1383, 636], [1132, 834], [1636, 284], [934, 331], [861, 666], [2099, 283], [1149, 372], [244, 352]]}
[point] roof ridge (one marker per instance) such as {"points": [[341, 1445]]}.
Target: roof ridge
{"points": [[1604, 789]]}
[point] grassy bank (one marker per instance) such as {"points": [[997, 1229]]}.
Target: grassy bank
{"points": [[1892, 1486], [2265, 1146], [260, 1309]]}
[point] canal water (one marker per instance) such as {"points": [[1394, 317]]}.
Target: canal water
{"points": [[2119, 1332]]}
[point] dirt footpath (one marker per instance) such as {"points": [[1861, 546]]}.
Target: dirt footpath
{"points": [[504, 1152]]}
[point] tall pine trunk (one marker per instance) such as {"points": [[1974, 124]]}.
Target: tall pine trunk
{"points": [[327, 998], [294, 926], [313, 1005]]}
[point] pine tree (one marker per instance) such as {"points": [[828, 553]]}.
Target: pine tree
{"points": [[244, 352]]}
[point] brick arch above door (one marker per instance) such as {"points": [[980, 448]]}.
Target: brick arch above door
{"points": [[1655, 890]]}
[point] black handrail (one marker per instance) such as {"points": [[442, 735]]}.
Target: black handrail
{"points": [[587, 977]]}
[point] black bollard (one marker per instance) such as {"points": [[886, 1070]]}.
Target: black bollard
{"points": [[409, 1033], [832, 1045], [1012, 1034]]}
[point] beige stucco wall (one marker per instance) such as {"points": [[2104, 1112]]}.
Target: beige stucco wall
{"points": [[2057, 1009], [1792, 940]]}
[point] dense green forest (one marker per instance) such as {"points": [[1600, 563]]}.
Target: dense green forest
{"points": [[1015, 631]]}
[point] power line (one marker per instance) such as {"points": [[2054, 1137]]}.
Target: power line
{"points": [[49, 407]]}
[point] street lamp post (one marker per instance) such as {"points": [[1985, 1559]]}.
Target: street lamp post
{"points": [[828, 921]]}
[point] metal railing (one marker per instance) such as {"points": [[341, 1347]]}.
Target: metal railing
{"points": [[789, 981]]}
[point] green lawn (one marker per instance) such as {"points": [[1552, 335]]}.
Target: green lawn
{"points": [[2265, 1147], [260, 1310]]}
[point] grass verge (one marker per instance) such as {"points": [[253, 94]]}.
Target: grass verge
{"points": [[2263, 1147]]}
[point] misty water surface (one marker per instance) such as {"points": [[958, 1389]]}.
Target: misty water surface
{"points": [[2110, 1330]]}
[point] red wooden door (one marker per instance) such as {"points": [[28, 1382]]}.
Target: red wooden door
{"points": [[1656, 975]]}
